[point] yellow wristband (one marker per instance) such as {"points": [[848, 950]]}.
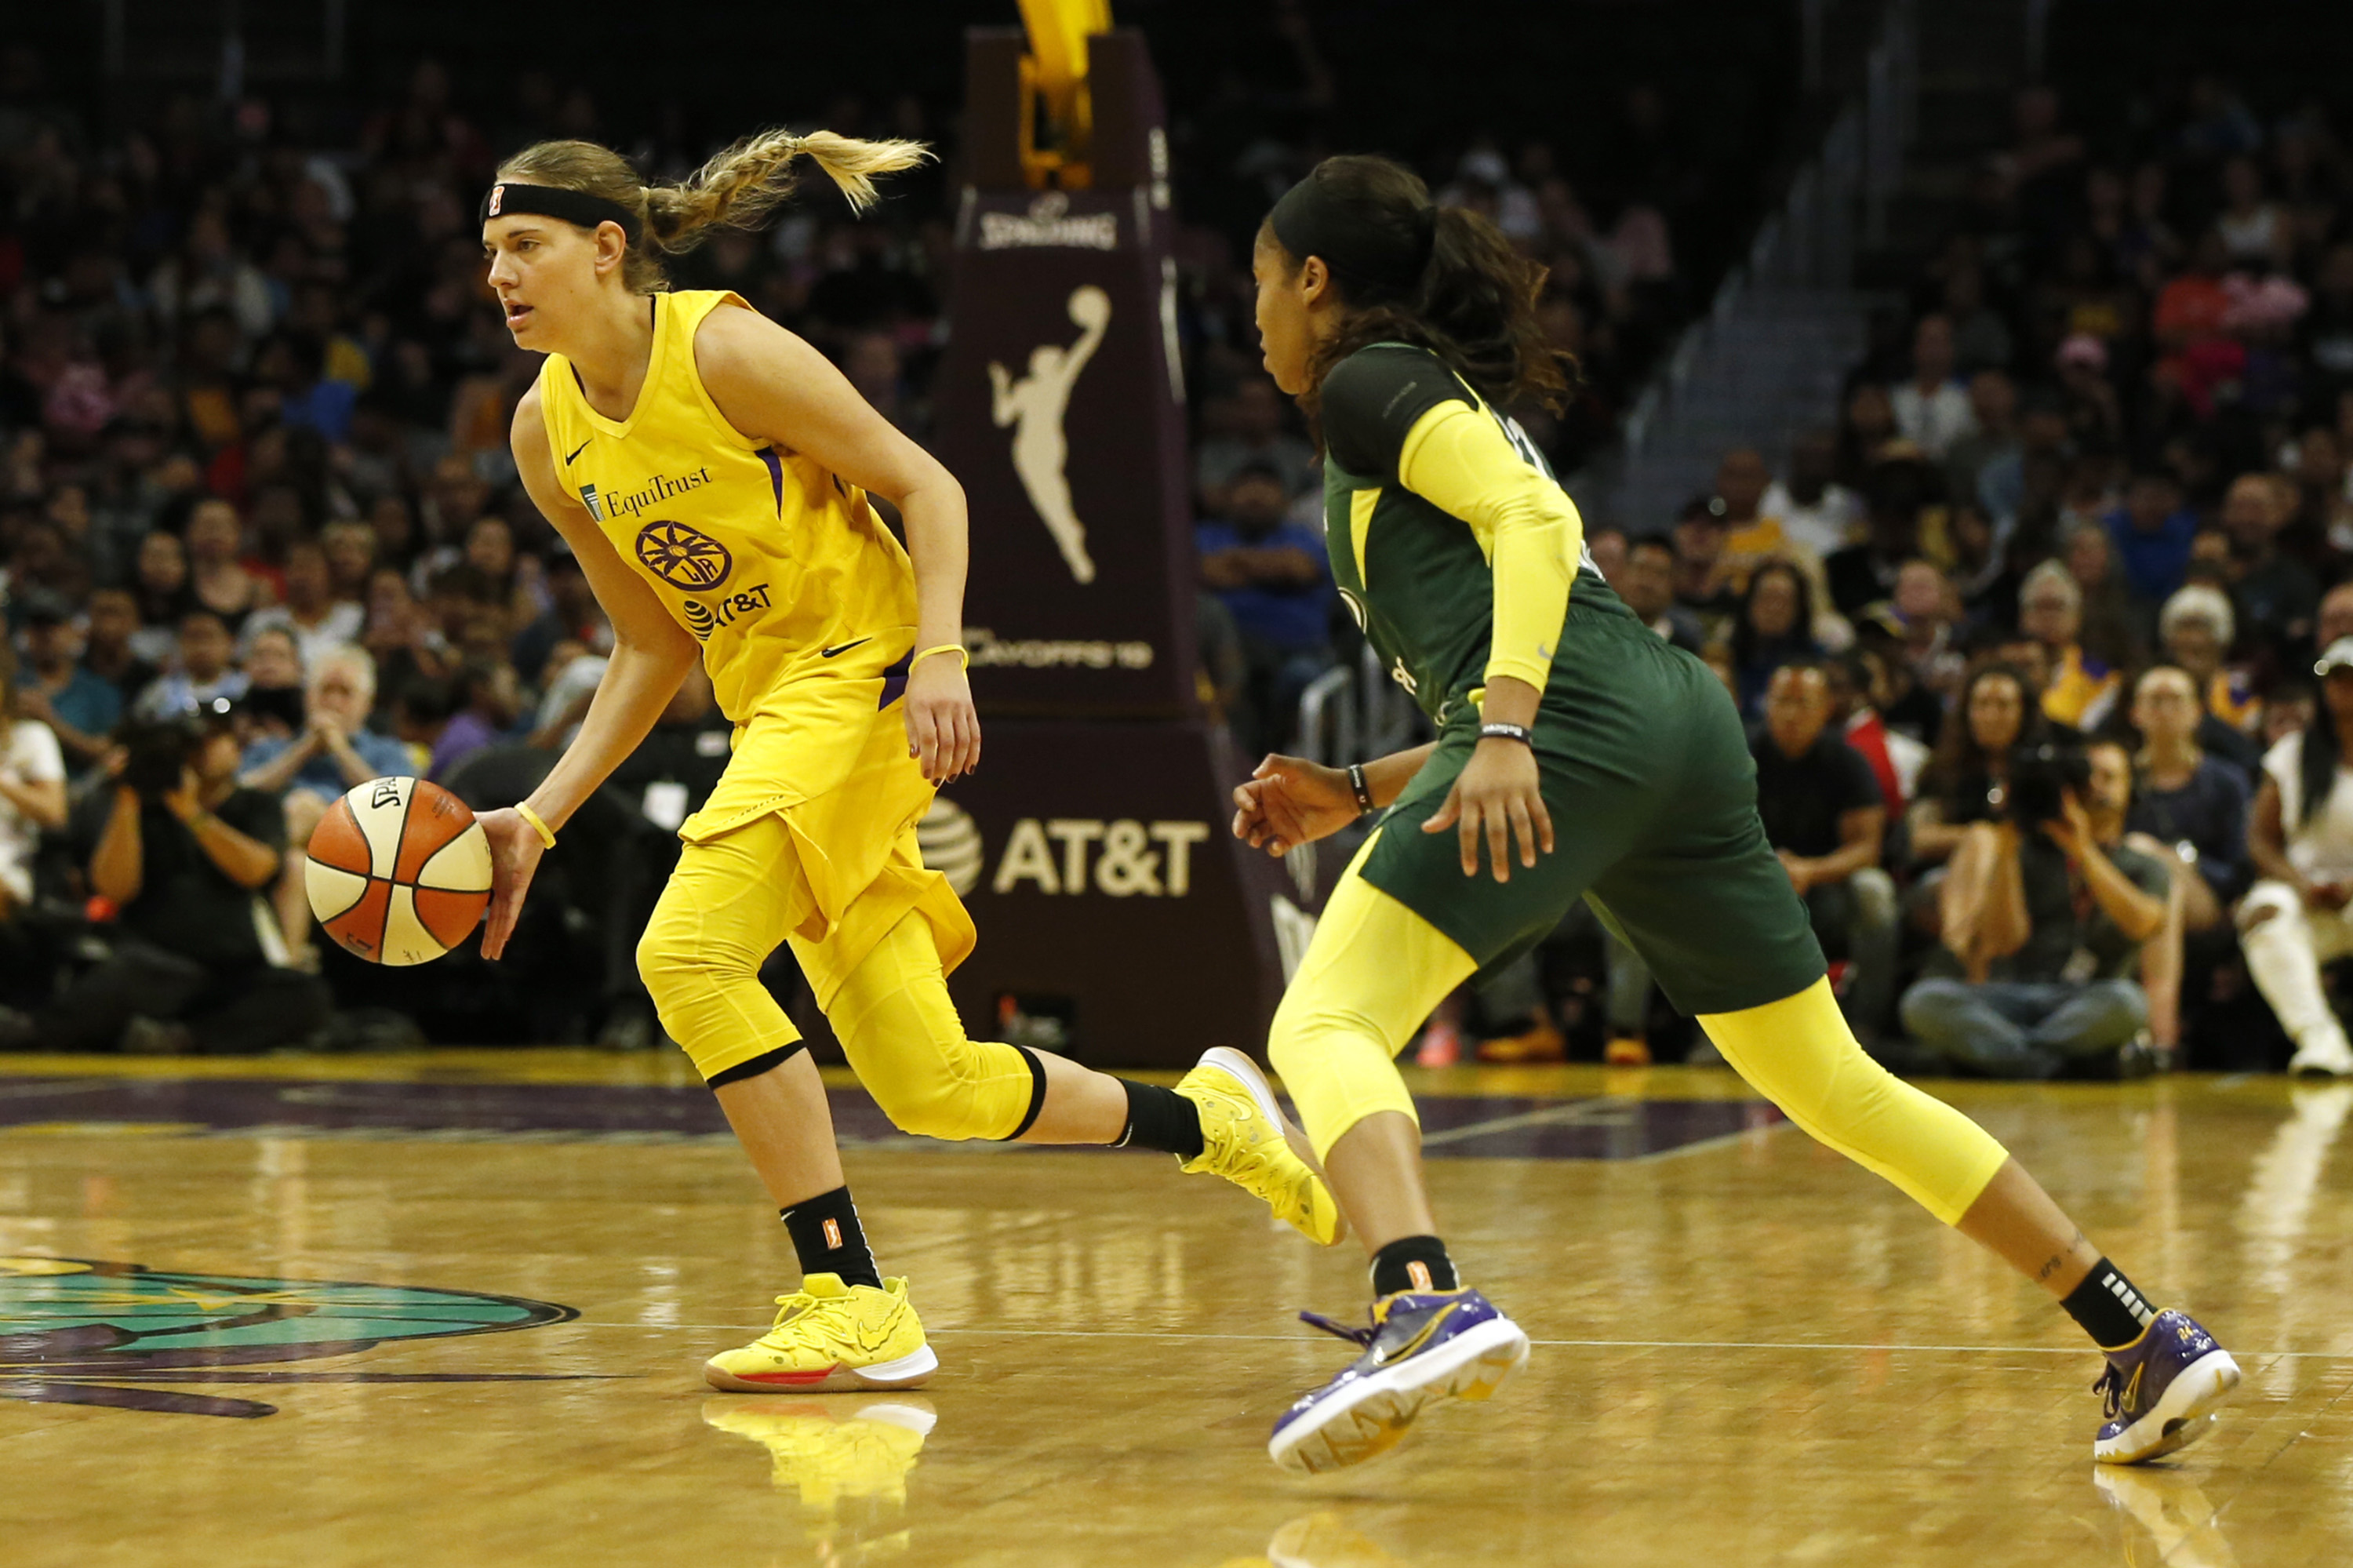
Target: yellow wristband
{"points": [[538, 825], [963, 659]]}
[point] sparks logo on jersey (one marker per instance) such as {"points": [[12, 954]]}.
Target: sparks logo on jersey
{"points": [[661, 487], [73, 1330], [686, 558]]}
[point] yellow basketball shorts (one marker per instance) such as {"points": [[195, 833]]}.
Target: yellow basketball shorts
{"points": [[840, 878]]}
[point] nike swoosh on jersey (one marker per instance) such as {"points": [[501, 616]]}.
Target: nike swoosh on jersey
{"points": [[576, 452], [830, 652]]}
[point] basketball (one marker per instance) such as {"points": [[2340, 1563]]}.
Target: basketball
{"points": [[399, 871]]}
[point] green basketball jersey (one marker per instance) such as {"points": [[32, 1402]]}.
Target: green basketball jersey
{"points": [[1418, 579]]}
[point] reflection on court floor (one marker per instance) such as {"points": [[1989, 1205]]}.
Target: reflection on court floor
{"points": [[472, 1297]]}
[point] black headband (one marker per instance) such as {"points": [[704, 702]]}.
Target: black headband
{"points": [[509, 198], [1311, 221]]}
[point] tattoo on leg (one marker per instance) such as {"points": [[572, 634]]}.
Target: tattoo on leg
{"points": [[2059, 1259]]}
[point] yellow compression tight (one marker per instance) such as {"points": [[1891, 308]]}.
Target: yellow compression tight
{"points": [[728, 904], [1376, 969]]}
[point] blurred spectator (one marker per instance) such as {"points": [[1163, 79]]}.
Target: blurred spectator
{"points": [[351, 560], [1866, 424], [1983, 731], [571, 615], [1703, 572], [1896, 760], [1930, 406], [2271, 589], [215, 575], [1253, 436], [272, 704], [1775, 626], [162, 593], [400, 636], [335, 751], [319, 622], [200, 670], [2151, 533], [2083, 688], [1272, 577], [1824, 816], [109, 647], [182, 852], [1862, 574], [2195, 628], [1647, 584], [2301, 838], [487, 701], [32, 790], [80, 706], [2008, 994], [1993, 408], [1814, 509], [2192, 807]]}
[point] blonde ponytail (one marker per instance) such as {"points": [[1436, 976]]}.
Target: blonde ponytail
{"points": [[741, 186], [736, 189]]}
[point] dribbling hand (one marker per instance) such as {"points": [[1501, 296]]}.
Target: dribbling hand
{"points": [[1290, 801], [515, 852], [943, 730]]}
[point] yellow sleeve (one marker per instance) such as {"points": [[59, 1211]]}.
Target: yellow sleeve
{"points": [[1458, 458]]}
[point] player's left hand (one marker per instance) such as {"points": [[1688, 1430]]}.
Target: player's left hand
{"points": [[943, 730], [1498, 794]]}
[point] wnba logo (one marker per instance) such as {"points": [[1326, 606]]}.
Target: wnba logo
{"points": [[686, 558]]}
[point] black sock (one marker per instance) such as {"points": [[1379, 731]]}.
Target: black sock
{"points": [[1413, 1263], [826, 1235], [2108, 1306], [1161, 1118]]}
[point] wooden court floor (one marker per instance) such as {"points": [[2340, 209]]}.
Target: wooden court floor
{"points": [[367, 1328]]}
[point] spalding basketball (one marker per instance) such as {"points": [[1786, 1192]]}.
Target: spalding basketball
{"points": [[399, 871]]}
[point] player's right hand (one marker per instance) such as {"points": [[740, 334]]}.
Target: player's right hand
{"points": [[1290, 801], [515, 850]]}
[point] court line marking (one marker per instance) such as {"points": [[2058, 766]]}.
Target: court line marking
{"points": [[1569, 1344]]}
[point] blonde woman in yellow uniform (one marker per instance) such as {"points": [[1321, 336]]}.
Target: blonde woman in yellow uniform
{"points": [[711, 472]]}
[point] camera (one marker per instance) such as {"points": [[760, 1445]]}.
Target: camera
{"points": [[155, 753], [2039, 777]]}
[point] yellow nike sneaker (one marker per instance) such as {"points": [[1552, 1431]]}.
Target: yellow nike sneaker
{"points": [[831, 1338], [1246, 1140]]}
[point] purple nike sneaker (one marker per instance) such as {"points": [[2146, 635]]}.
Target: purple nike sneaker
{"points": [[2160, 1391], [1422, 1345]]}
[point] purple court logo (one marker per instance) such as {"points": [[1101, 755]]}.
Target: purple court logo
{"points": [[75, 1332], [686, 558]]}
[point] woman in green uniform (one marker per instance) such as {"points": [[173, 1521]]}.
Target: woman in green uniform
{"points": [[1579, 756]]}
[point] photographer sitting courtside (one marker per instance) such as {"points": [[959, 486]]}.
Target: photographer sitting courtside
{"points": [[183, 853], [2045, 911]]}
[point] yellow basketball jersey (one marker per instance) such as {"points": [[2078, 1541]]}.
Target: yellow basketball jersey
{"points": [[779, 568]]}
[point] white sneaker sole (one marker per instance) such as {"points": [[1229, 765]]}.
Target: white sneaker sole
{"points": [[1373, 1415], [2180, 1416], [1228, 1060], [907, 1372], [2302, 1066]]}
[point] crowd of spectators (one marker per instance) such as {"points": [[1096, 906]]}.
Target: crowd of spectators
{"points": [[2075, 568], [261, 538]]}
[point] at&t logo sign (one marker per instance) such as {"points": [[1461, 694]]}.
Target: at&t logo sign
{"points": [[1120, 858]]}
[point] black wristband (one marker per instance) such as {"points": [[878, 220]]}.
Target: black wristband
{"points": [[1508, 732], [1364, 791]]}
